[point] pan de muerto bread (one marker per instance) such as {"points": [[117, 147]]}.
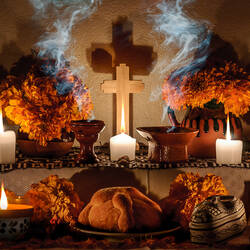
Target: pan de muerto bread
{"points": [[121, 209]]}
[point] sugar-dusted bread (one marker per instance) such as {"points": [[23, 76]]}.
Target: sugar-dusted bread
{"points": [[121, 209]]}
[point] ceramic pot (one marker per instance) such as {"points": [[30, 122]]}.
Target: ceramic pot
{"points": [[166, 144], [216, 219], [87, 133], [211, 124], [14, 224], [55, 148]]}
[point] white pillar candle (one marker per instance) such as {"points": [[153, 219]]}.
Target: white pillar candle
{"points": [[228, 151], [7, 144], [122, 145]]}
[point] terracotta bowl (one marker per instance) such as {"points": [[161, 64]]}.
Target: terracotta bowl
{"points": [[167, 144], [53, 148]]}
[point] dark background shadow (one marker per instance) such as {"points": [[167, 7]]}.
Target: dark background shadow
{"points": [[234, 16], [3, 72], [88, 181], [27, 32]]}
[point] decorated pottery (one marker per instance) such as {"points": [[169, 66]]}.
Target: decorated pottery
{"points": [[216, 219], [211, 124], [87, 133], [167, 144], [14, 224], [14, 228]]}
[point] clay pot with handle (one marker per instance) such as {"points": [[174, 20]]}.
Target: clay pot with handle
{"points": [[211, 124]]}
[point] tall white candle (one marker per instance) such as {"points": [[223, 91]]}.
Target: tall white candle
{"points": [[122, 145], [7, 144], [228, 151]]}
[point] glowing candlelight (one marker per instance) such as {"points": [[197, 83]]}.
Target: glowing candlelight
{"points": [[12, 210], [228, 151], [3, 201], [15, 218], [122, 144], [7, 144]]}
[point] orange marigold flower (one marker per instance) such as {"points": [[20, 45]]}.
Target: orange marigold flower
{"points": [[33, 103], [229, 85]]}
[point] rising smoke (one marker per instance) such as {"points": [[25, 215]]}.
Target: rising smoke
{"points": [[59, 17], [191, 37]]}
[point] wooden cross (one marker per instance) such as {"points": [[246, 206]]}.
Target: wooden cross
{"points": [[122, 86]]}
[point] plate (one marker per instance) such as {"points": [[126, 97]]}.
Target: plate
{"points": [[84, 230]]}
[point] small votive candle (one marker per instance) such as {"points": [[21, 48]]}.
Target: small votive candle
{"points": [[122, 145], [7, 144], [14, 218], [228, 151]]}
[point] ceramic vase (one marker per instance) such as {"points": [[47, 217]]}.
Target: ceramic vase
{"points": [[87, 133]]}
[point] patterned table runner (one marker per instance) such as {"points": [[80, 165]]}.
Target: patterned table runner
{"points": [[141, 162]]}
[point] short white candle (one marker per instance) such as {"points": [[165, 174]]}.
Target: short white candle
{"points": [[7, 144], [228, 151], [122, 145]]}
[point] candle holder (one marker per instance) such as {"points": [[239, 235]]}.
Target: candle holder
{"points": [[167, 144], [87, 132], [15, 221]]}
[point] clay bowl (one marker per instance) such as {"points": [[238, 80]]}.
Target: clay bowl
{"points": [[54, 148], [167, 144]]}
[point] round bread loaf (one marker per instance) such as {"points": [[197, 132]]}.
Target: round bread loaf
{"points": [[121, 209]]}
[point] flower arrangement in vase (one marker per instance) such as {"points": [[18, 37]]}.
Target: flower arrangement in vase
{"points": [[43, 104], [210, 95]]}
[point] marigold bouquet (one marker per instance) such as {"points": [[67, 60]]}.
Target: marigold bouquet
{"points": [[55, 201], [188, 190], [34, 102], [228, 85]]}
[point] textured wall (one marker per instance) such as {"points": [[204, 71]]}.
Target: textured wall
{"points": [[18, 33]]}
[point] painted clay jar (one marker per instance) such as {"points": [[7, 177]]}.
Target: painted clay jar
{"points": [[216, 219], [211, 124]]}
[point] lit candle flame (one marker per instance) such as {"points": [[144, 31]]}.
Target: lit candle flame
{"points": [[3, 201], [228, 135], [123, 120], [1, 121]]}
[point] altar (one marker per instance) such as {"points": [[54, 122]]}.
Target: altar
{"points": [[124, 124], [152, 179]]}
